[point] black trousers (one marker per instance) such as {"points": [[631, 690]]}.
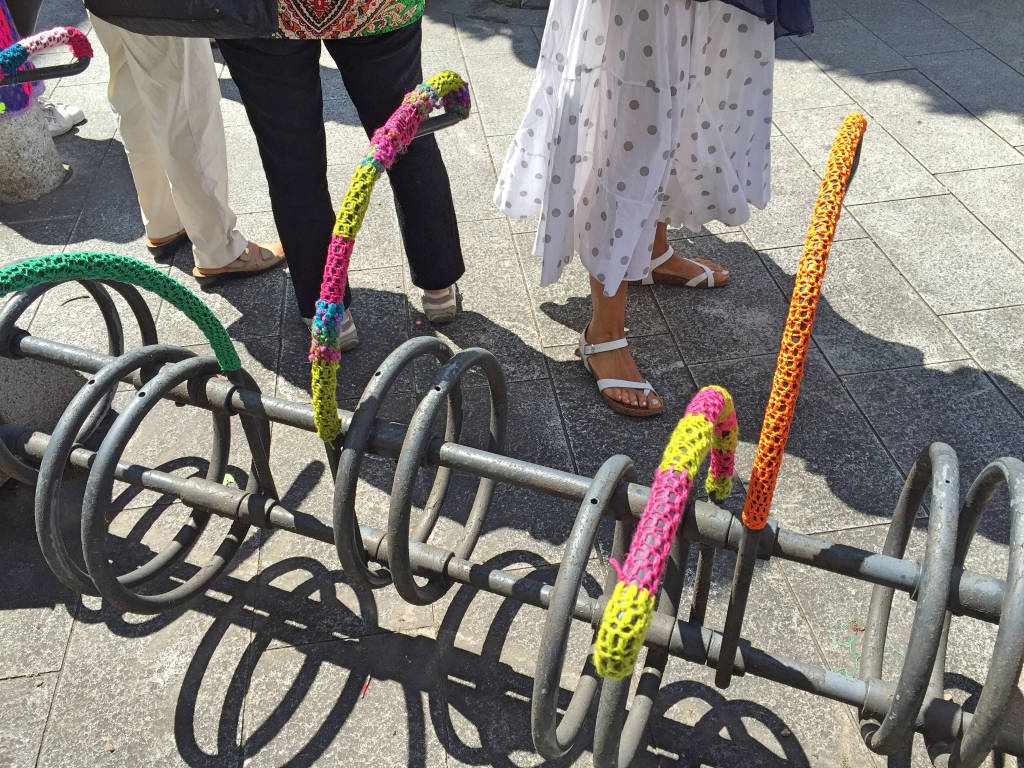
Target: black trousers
{"points": [[279, 81], [24, 13]]}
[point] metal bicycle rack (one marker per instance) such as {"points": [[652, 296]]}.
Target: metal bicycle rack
{"points": [[376, 558]]}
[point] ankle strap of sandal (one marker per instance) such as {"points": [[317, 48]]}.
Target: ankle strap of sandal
{"points": [[604, 346]]}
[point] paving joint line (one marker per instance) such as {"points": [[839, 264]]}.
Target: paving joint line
{"points": [[968, 36], [78, 605]]}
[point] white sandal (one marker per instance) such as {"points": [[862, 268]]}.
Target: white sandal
{"points": [[586, 350], [704, 280]]}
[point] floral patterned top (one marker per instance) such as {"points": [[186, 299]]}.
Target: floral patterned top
{"points": [[319, 19]]}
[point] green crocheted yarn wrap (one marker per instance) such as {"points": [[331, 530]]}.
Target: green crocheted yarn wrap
{"points": [[60, 267]]}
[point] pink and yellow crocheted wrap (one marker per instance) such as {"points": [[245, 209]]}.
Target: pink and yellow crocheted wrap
{"points": [[445, 90], [709, 426]]}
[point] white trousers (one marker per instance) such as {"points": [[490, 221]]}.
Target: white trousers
{"points": [[167, 99]]}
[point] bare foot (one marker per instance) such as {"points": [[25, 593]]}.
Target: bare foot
{"points": [[619, 364], [681, 268]]}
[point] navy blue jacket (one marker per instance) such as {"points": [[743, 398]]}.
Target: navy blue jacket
{"points": [[791, 17]]}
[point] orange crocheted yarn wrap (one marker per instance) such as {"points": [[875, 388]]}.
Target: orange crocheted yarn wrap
{"points": [[796, 337]]}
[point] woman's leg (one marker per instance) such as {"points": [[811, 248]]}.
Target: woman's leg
{"points": [[378, 70], [279, 82], [609, 324]]}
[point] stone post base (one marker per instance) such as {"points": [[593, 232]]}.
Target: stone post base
{"points": [[31, 166]]}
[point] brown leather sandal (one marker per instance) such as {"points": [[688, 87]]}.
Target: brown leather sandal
{"points": [[165, 247], [254, 259]]}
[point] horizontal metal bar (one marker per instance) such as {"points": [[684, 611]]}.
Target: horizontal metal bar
{"points": [[972, 595], [688, 640], [77, 66], [439, 122]]}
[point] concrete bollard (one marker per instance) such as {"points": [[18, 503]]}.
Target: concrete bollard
{"points": [[30, 166]]}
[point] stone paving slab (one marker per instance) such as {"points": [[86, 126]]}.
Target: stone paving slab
{"points": [[991, 24], [886, 171], [995, 339], [783, 222], [25, 240], [939, 246], [908, 28], [983, 84], [847, 46], [937, 130], [848, 328], [38, 610], [741, 319], [24, 706], [984, 192], [917, 339], [955, 403], [799, 83]]}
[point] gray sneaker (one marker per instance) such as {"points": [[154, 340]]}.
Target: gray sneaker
{"points": [[441, 308], [60, 118], [348, 336]]}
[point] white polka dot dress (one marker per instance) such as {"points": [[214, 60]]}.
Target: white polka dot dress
{"points": [[641, 111]]}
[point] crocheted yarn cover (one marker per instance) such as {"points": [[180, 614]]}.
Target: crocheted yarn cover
{"points": [[13, 98], [796, 337], [12, 57], [445, 90], [109, 266], [708, 427], [15, 55]]}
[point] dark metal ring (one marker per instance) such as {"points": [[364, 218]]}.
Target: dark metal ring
{"points": [[16, 306], [411, 458], [347, 538], [937, 463], [1008, 651], [551, 738], [62, 442], [96, 498]]}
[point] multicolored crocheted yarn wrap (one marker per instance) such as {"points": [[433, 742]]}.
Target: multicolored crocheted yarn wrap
{"points": [[796, 337], [14, 56], [14, 98], [709, 426], [61, 267], [445, 90]]}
